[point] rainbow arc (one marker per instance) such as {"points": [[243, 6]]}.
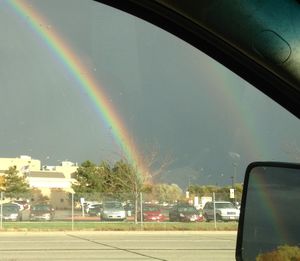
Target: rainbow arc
{"points": [[96, 93]]}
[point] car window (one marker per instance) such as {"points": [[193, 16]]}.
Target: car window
{"points": [[10, 208], [97, 104], [41, 208], [150, 208], [225, 205], [113, 205], [207, 205], [186, 209]]}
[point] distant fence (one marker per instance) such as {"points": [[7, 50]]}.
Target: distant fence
{"points": [[98, 207]]}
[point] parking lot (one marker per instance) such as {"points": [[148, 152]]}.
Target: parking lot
{"points": [[117, 245]]}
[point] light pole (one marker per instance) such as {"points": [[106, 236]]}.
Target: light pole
{"points": [[232, 181], [234, 173]]}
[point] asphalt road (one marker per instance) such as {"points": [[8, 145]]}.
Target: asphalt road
{"points": [[95, 245]]}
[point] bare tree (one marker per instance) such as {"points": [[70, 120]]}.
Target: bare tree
{"points": [[133, 177]]}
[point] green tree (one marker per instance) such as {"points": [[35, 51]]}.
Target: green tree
{"points": [[92, 180], [167, 193], [123, 180], [2, 182], [202, 191], [15, 185], [222, 193], [38, 197]]}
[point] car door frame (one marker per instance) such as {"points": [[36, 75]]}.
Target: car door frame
{"points": [[166, 15]]}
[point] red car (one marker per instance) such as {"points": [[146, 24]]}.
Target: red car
{"points": [[152, 213]]}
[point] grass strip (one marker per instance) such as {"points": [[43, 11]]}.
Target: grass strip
{"points": [[117, 226]]}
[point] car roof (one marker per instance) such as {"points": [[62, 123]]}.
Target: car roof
{"points": [[11, 204]]}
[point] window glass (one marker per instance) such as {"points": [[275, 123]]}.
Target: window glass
{"points": [[224, 205], [85, 87], [72, 88]]}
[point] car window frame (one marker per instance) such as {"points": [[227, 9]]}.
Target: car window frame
{"points": [[252, 70]]}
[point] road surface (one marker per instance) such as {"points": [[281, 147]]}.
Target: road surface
{"points": [[95, 245]]}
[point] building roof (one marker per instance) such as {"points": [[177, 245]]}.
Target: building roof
{"points": [[45, 174]]}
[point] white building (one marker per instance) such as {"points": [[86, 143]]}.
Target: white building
{"points": [[52, 182]]}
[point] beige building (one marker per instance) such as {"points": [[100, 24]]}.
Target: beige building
{"points": [[24, 164], [50, 186], [51, 183]]}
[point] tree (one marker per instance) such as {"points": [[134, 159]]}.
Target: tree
{"points": [[221, 193], [38, 197], [202, 191], [92, 180], [15, 185], [123, 178], [2, 183], [136, 177], [167, 193], [127, 179]]}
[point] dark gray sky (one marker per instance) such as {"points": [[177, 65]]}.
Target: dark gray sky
{"points": [[166, 92]]}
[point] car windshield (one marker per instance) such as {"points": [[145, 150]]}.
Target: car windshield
{"points": [[225, 205], [186, 209], [12, 209], [113, 205], [20, 202], [150, 208], [96, 206], [97, 105], [41, 208]]}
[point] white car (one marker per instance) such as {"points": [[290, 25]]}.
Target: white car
{"points": [[20, 206], [113, 210], [88, 205], [225, 211]]}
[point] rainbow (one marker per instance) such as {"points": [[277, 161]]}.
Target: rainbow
{"points": [[266, 202], [243, 117], [56, 44]]}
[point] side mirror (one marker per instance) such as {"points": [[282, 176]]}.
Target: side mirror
{"points": [[269, 220]]}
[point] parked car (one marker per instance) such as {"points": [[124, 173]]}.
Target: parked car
{"points": [[95, 209], [11, 212], [225, 211], [42, 212], [129, 209], [87, 205], [113, 210], [151, 213], [185, 213], [22, 203], [21, 207]]}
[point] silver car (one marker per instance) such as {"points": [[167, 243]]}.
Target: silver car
{"points": [[11, 212], [113, 210], [225, 211]]}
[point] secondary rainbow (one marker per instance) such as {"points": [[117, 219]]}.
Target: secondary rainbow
{"points": [[56, 44], [266, 202]]}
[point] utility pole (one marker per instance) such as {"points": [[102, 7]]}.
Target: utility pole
{"points": [[234, 172], [232, 181]]}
